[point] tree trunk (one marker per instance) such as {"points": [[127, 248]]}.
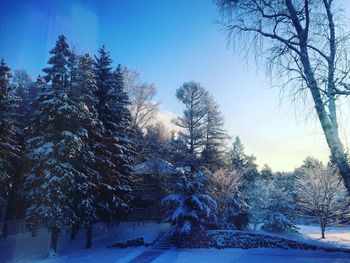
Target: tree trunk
{"points": [[323, 225], [328, 122], [53, 243], [74, 231], [323, 230], [329, 129], [89, 236], [2, 219]]}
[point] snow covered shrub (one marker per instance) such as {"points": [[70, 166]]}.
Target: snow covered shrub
{"points": [[258, 196], [279, 223], [279, 208], [189, 210], [226, 189]]}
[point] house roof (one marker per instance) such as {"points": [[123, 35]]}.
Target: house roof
{"points": [[155, 166]]}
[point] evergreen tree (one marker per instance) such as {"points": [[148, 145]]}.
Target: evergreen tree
{"points": [[8, 146], [58, 185], [177, 151], [155, 142], [244, 164], [238, 157], [195, 98], [84, 90], [115, 151], [272, 202], [266, 172], [24, 89], [212, 156], [190, 209], [279, 210]]}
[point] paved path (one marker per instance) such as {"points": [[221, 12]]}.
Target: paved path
{"points": [[147, 256]]}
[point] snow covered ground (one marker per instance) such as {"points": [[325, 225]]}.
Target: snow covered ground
{"points": [[24, 248], [338, 236]]}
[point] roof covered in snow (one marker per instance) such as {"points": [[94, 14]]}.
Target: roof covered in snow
{"points": [[155, 166]]}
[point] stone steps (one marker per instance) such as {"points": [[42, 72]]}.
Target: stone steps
{"points": [[163, 241]]}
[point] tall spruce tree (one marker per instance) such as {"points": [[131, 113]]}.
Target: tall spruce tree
{"points": [[24, 89], [8, 149], [84, 90], [115, 152], [125, 134], [58, 185]]}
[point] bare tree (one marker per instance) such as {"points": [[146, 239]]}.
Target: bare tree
{"points": [[304, 44], [224, 186], [322, 195], [141, 94]]}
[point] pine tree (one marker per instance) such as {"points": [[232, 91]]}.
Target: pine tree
{"points": [[154, 142], [177, 151], [84, 91], [8, 146], [125, 133], [244, 164], [115, 151], [190, 209], [212, 156], [58, 184], [24, 89], [195, 98], [238, 157], [279, 210], [266, 172]]}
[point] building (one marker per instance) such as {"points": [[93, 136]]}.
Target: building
{"points": [[154, 179]]}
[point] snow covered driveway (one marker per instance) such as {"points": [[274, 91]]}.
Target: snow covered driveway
{"points": [[143, 255], [250, 256]]}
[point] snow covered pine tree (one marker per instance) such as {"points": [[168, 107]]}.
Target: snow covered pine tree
{"points": [[189, 210], [58, 185], [8, 149], [115, 152], [280, 207]]}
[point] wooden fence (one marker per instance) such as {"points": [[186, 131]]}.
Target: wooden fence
{"points": [[14, 227]]}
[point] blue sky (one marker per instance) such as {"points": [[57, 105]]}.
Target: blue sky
{"points": [[170, 42]]}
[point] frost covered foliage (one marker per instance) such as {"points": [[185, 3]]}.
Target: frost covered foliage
{"points": [[226, 189], [79, 148], [272, 205], [61, 182], [259, 197], [242, 163], [279, 208], [322, 194], [8, 150], [190, 209], [115, 152]]}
